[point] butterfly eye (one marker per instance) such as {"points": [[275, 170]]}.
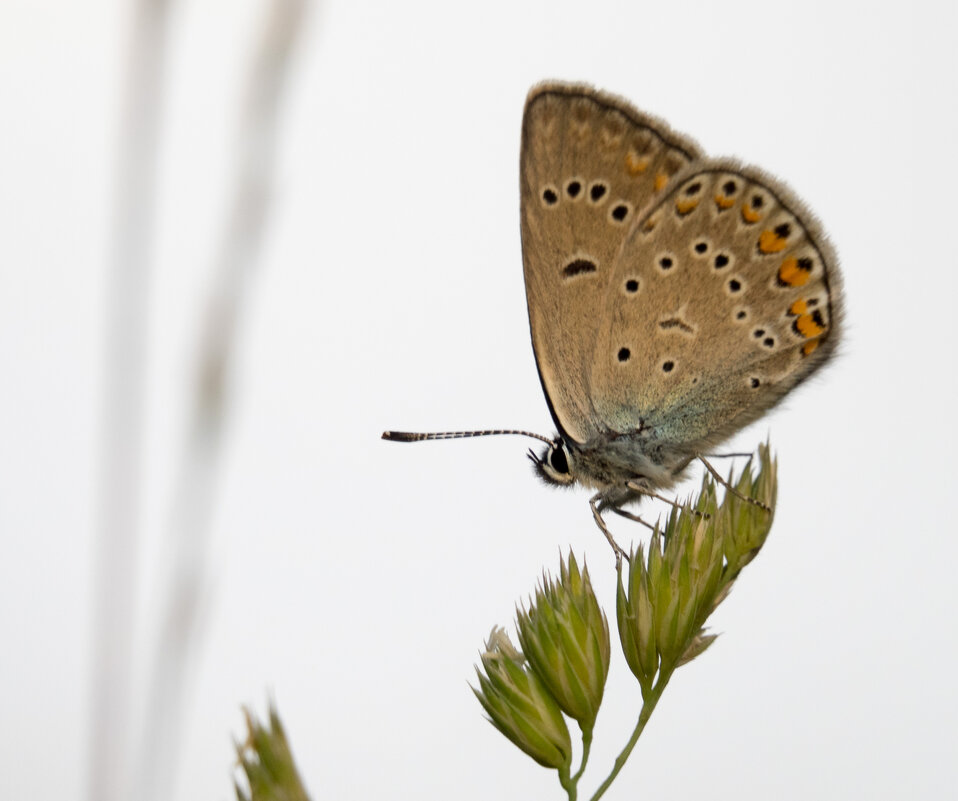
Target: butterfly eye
{"points": [[554, 466], [557, 459]]}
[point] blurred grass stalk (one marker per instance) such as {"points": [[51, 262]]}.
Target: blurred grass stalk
{"points": [[195, 485], [111, 778], [122, 404]]}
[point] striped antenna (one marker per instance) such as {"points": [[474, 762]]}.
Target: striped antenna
{"points": [[408, 436]]}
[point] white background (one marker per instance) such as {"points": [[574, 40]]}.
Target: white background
{"points": [[356, 579]]}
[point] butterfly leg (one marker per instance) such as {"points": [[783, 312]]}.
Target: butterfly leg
{"points": [[630, 516], [594, 504], [643, 491], [729, 487]]}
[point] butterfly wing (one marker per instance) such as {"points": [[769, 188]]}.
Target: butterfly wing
{"points": [[724, 297], [590, 165]]}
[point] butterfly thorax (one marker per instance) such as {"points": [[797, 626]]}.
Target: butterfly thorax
{"points": [[609, 462]]}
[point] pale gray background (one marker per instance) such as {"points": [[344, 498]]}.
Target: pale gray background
{"points": [[356, 579]]}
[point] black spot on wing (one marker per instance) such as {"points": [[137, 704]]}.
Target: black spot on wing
{"points": [[578, 267]]}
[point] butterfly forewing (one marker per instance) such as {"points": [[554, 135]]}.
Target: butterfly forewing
{"points": [[724, 297], [590, 167]]}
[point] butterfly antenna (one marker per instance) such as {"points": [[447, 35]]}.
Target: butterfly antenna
{"points": [[409, 436]]}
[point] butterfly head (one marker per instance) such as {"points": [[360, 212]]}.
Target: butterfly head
{"points": [[555, 465]]}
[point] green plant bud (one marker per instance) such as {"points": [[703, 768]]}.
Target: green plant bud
{"points": [[699, 645], [688, 571], [520, 705], [744, 526], [634, 618], [266, 762], [565, 637]]}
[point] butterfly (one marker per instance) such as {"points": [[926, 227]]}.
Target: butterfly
{"points": [[672, 298]]}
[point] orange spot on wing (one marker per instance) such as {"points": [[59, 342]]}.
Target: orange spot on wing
{"points": [[661, 180], [809, 347], [798, 307], [685, 206], [792, 274], [770, 242], [808, 326], [724, 202], [636, 164], [751, 215]]}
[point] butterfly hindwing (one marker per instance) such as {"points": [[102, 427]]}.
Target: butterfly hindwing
{"points": [[724, 296], [590, 166]]}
